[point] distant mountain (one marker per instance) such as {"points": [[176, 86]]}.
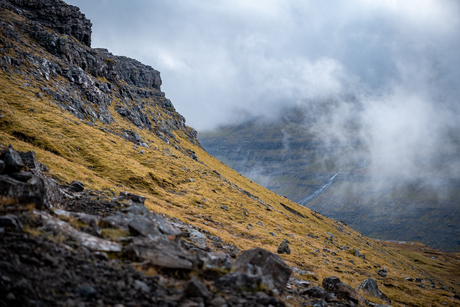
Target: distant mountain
{"points": [[340, 182]]}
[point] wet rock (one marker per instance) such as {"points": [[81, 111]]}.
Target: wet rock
{"points": [[270, 267], [160, 251], [284, 248], [342, 290], [370, 286], [195, 288], [214, 260], [89, 241], [13, 161]]}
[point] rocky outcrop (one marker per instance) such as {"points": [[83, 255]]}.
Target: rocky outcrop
{"points": [[95, 77], [54, 14], [370, 286]]}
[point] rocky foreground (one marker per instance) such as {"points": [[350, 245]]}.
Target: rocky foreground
{"points": [[62, 245]]}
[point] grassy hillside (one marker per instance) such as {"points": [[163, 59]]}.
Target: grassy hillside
{"points": [[203, 192]]}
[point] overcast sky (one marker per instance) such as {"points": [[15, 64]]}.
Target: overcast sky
{"points": [[220, 59]]}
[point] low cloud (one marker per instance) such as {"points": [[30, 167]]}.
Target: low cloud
{"points": [[386, 72]]}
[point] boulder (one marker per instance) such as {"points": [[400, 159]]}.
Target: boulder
{"points": [[91, 242], [342, 290], [22, 176], [30, 159], [370, 286], [160, 251], [33, 191], [239, 281], [382, 272], [76, 186], [270, 267], [2, 166], [314, 292], [284, 248], [143, 227], [195, 288], [13, 161]]}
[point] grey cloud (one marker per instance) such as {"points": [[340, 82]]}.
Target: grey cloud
{"points": [[223, 61]]}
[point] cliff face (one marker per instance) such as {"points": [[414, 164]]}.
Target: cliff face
{"points": [[54, 14], [107, 198], [87, 82]]}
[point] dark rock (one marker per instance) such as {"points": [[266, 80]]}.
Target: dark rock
{"points": [[30, 159], [160, 251], [86, 292], [143, 227], [224, 207], [239, 281], [11, 221], [22, 176], [284, 248], [13, 161], [418, 279], [55, 14], [370, 286], [216, 261], [76, 186], [409, 279], [382, 272], [314, 292], [32, 192], [342, 290], [270, 267], [2, 166], [195, 288]]}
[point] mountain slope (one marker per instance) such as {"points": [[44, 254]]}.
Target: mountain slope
{"points": [[102, 120]]}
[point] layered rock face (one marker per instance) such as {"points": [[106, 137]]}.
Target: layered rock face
{"points": [[55, 14], [96, 78]]}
